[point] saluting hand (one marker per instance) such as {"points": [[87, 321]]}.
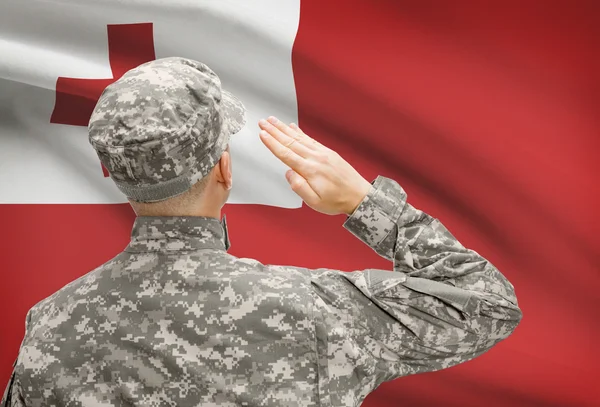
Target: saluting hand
{"points": [[323, 179]]}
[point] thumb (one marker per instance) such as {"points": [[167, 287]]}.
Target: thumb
{"points": [[301, 187]]}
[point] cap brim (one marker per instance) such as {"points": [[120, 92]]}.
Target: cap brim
{"points": [[234, 113]]}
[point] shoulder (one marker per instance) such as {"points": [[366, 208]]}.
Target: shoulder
{"points": [[80, 289], [276, 270]]}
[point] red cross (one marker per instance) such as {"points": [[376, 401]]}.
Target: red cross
{"points": [[129, 45]]}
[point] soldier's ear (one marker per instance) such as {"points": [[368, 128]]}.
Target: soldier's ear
{"points": [[224, 169]]}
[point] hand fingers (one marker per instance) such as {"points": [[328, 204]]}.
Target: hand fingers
{"points": [[299, 136], [286, 155], [285, 139], [309, 141], [301, 187], [295, 127]]}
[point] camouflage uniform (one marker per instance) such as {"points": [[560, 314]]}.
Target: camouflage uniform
{"points": [[175, 320]]}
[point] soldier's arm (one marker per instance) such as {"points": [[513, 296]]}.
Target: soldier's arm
{"points": [[442, 304], [12, 396]]}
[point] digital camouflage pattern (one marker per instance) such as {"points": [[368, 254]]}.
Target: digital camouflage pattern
{"points": [[174, 320], [163, 126]]}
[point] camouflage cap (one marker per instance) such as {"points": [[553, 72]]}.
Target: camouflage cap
{"points": [[163, 126]]}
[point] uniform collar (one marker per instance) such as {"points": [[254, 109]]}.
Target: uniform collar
{"points": [[176, 233]]}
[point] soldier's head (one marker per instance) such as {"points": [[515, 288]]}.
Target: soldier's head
{"points": [[162, 131]]}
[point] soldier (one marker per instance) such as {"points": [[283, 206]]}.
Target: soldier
{"points": [[175, 320]]}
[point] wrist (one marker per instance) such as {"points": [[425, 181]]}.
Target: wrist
{"points": [[360, 195]]}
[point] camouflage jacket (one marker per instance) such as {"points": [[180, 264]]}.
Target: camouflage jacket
{"points": [[174, 320]]}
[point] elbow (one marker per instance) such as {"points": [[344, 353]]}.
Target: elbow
{"points": [[508, 312], [499, 309], [492, 316], [499, 325], [516, 315], [509, 324]]}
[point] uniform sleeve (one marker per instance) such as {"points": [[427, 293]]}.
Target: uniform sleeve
{"points": [[13, 396], [442, 304]]}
